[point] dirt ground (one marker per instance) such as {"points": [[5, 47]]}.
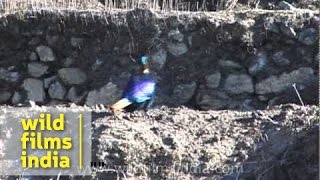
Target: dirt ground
{"points": [[181, 143]]}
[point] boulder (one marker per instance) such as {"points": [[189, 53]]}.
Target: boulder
{"points": [[280, 59], [176, 35], [74, 97], [177, 49], [16, 98], [48, 81], [9, 75], [108, 94], [238, 84], [52, 40], [37, 69], [4, 96], [34, 89], [45, 53], [57, 91], [159, 58], [212, 100], [213, 80], [228, 64], [33, 56], [72, 76], [76, 42], [258, 63], [182, 93], [276, 84], [68, 62], [308, 36]]}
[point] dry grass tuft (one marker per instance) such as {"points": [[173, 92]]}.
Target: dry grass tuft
{"points": [[13, 6]]}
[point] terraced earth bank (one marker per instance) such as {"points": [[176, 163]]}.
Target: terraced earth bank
{"points": [[226, 81], [181, 143]]}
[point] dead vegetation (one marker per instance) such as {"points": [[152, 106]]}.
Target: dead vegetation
{"points": [[13, 6]]}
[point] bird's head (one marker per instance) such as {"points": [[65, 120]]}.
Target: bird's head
{"points": [[144, 60]]}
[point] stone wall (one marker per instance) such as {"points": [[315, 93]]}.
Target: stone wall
{"points": [[207, 61]]}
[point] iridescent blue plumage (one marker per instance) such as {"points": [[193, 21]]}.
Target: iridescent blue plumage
{"points": [[139, 92], [140, 88]]}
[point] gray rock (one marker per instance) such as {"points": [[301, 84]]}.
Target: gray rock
{"points": [[238, 84], [52, 40], [214, 100], [210, 103], [182, 93], [68, 62], [276, 84], [33, 56], [57, 91], [37, 69], [74, 97], [106, 95], [173, 22], [289, 31], [4, 96], [308, 36], [7, 75], [159, 58], [285, 6], [304, 54], [45, 53], [16, 98], [76, 42], [177, 49], [229, 64], [258, 63], [48, 81], [34, 88], [176, 35], [280, 59], [72, 76], [213, 80]]}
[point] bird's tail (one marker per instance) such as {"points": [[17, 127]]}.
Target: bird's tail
{"points": [[122, 103]]}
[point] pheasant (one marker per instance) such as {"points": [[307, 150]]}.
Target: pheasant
{"points": [[139, 92]]}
